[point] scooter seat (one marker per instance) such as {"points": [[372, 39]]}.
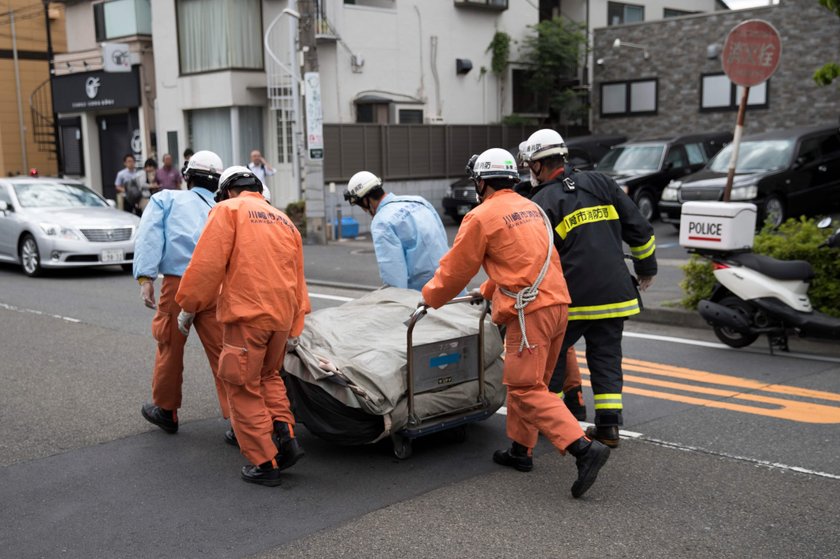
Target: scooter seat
{"points": [[778, 269]]}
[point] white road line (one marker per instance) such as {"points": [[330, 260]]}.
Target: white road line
{"points": [[700, 343], [32, 311], [330, 297], [686, 448]]}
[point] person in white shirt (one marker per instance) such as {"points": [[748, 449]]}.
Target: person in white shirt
{"points": [[259, 166]]}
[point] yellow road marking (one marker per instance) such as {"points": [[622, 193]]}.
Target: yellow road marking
{"points": [[779, 408]]}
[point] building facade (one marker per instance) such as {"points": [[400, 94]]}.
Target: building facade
{"points": [[680, 86], [26, 135]]}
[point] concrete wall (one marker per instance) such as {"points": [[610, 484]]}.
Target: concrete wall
{"points": [[396, 44], [810, 37]]}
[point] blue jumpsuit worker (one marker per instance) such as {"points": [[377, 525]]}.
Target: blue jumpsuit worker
{"points": [[408, 235], [591, 217], [168, 232]]}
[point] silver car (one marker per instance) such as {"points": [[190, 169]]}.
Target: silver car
{"points": [[58, 223]]}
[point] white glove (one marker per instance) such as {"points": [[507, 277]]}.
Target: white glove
{"points": [[185, 320]]}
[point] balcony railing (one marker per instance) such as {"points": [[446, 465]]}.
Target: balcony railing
{"points": [[496, 5]]}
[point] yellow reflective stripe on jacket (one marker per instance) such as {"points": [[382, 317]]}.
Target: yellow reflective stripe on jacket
{"points": [[645, 250], [612, 310], [608, 402], [585, 215]]}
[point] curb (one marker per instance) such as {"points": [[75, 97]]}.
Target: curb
{"points": [[671, 317]]}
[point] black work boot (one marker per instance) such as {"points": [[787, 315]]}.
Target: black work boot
{"points": [[574, 401], [266, 473], [230, 438], [517, 457], [591, 457], [607, 434], [165, 419], [288, 447]]}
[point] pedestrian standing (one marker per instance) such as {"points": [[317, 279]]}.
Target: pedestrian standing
{"points": [[168, 177], [128, 184], [509, 236], [166, 239], [408, 236], [250, 258], [591, 217], [259, 166]]}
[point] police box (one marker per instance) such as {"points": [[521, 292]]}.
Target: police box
{"points": [[724, 226]]}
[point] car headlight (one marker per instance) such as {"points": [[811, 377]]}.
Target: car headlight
{"points": [[749, 192], [55, 230], [671, 192]]}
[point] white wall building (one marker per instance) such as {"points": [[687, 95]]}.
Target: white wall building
{"points": [[380, 61]]}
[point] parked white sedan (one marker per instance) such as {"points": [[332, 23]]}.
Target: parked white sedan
{"points": [[59, 223]]}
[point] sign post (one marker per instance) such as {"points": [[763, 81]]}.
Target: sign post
{"points": [[751, 54]]}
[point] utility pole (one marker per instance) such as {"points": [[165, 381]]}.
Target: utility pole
{"points": [[60, 169], [316, 210]]}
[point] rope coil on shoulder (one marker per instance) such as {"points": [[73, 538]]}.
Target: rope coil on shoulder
{"points": [[527, 295]]}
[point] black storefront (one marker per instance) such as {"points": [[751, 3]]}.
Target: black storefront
{"points": [[114, 98]]}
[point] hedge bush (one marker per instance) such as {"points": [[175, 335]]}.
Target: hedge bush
{"points": [[297, 213], [793, 240]]}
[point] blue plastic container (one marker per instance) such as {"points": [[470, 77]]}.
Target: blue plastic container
{"points": [[349, 227]]}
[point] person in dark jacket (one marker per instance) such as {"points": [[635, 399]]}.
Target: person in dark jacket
{"points": [[591, 217]]}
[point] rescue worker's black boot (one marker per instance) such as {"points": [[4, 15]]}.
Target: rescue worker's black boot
{"points": [[266, 473], [517, 457], [574, 401], [590, 458], [165, 419], [288, 447], [230, 438], [607, 434]]}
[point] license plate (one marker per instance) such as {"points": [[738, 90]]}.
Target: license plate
{"points": [[463, 210], [114, 255]]}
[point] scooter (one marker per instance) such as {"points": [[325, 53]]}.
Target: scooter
{"points": [[757, 295]]}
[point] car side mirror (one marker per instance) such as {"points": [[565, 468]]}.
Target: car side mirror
{"points": [[4, 207], [111, 203], [669, 165], [801, 161], [824, 223]]}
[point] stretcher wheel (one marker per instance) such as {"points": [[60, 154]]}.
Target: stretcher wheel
{"points": [[402, 447]]}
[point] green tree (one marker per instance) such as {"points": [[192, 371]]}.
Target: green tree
{"points": [[830, 70], [499, 48], [552, 53]]}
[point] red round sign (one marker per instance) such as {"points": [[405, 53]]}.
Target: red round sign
{"points": [[751, 53]]}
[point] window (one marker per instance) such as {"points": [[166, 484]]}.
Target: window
{"points": [[371, 3], [525, 99], [676, 158], [669, 12], [629, 98], [122, 18], [285, 143], [618, 13], [4, 196], [219, 35], [499, 5], [250, 133], [696, 154], [410, 116], [376, 113], [821, 147], [210, 129], [717, 93]]}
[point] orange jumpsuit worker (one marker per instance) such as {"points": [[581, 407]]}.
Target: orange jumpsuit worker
{"points": [[254, 253], [508, 235], [166, 238]]}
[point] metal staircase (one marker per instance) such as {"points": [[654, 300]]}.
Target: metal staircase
{"points": [[43, 127]]}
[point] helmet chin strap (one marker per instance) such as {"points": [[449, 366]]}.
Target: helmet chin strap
{"points": [[480, 191]]}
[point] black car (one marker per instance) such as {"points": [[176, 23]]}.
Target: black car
{"points": [[643, 168], [785, 173], [584, 153]]}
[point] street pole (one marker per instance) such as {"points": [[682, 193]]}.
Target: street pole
{"points": [[21, 122], [316, 207], [60, 169], [736, 144]]}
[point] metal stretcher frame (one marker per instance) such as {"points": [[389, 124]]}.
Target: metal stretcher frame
{"points": [[458, 417]]}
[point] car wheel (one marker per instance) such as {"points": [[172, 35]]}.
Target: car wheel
{"points": [[30, 258], [127, 268], [647, 205], [774, 210]]}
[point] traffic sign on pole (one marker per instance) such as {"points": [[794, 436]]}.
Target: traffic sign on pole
{"points": [[750, 55]]}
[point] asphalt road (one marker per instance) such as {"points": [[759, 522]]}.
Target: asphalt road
{"points": [[729, 454]]}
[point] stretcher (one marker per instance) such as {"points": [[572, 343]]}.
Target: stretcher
{"points": [[362, 373]]}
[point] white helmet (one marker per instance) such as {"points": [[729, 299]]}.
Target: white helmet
{"points": [[495, 163], [360, 185], [544, 143], [204, 162], [236, 176]]}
